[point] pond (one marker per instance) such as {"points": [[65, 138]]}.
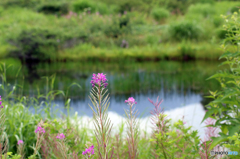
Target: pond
{"points": [[181, 85]]}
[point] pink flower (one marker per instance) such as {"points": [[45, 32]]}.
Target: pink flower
{"points": [[40, 130], [130, 101], [1, 102], [184, 122], [20, 142], [60, 136], [90, 150], [97, 79]]}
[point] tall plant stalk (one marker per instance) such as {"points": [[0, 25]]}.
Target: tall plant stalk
{"points": [[102, 123], [132, 130]]}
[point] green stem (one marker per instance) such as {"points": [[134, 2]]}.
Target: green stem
{"points": [[100, 116], [132, 133]]}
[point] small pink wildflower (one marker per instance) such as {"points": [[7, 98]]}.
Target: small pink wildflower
{"points": [[130, 101], [40, 129], [184, 122], [1, 102], [60, 136], [90, 150], [98, 78], [20, 142]]}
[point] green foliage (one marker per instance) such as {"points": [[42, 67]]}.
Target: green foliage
{"points": [[10, 156], [160, 14], [54, 8], [34, 45], [234, 9], [234, 144], [19, 3], [205, 10], [206, 1], [225, 106], [217, 21], [184, 30], [179, 142], [83, 5], [20, 125], [118, 27], [221, 34], [176, 6]]}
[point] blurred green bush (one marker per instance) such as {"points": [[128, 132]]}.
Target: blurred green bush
{"points": [[205, 10], [82, 5], [159, 14], [235, 9], [184, 30], [120, 25], [34, 45], [54, 8]]}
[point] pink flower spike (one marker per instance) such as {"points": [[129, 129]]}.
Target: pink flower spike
{"points": [[130, 101], [98, 79], [1, 102], [60, 136], [88, 151], [20, 142], [40, 130]]}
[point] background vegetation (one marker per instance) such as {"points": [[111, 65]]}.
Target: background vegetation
{"points": [[84, 30]]}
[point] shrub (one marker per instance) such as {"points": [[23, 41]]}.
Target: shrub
{"points": [[164, 135], [221, 34], [184, 31], [207, 1], [127, 6], [20, 3], [80, 6], [225, 106], [176, 6], [54, 8], [234, 9], [34, 45], [160, 14], [201, 9], [217, 21], [103, 9], [118, 27]]}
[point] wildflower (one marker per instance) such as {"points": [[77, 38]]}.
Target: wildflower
{"points": [[60, 136], [1, 102], [184, 122], [40, 129], [20, 142], [90, 150], [130, 101], [97, 79]]}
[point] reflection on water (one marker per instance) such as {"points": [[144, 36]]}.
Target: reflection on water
{"points": [[178, 84], [172, 100], [193, 115]]}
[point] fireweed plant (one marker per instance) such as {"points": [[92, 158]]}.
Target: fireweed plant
{"points": [[132, 128], [103, 126], [176, 141]]}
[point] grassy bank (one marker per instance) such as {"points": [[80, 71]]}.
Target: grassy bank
{"points": [[170, 51], [86, 30]]}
